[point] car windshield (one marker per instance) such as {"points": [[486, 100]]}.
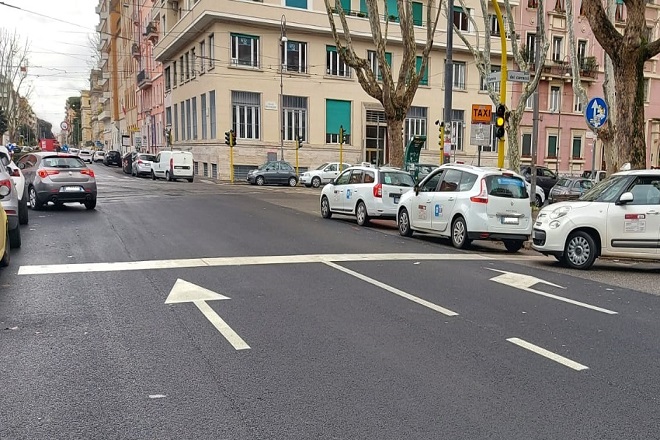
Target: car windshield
{"points": [[322, 166], [63, 162], [563, 182], [607, 190], [397, 178], [506, 186], [263, 165], [146, 157]]}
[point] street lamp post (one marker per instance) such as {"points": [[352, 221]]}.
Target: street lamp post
{"points": [[283, 41]]}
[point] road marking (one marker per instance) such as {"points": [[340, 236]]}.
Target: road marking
{"points": [[548, 354], [393, 290], [239, 261], [525, 282], [183, 291]]}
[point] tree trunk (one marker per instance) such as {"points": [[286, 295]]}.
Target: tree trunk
{"points": [[395, 141], [629, 87], [513, 152]]}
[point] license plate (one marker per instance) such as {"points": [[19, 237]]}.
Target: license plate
{"points": [[71, 189], [510, 220]]}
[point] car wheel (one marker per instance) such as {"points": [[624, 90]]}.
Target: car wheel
{"points": [[580, 251], [6, 257], [35, 203], [293, 181], [316, 182], [168, 177], [15, 237], [404, 223], [260, 180], [191, 180], [513, 245], [325, 208], [538, 201], [361, 214], [459, 233], [90, 204], [153, 175], [23, 217]]}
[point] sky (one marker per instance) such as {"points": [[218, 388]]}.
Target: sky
{"points": [[60, 54]]}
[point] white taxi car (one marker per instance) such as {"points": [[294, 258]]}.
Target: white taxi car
{"points": [[325, 173], [468, 203], [365, 192], [618, 217]]}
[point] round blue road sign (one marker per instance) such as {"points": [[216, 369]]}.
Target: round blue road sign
{"points": [[596, 113]]}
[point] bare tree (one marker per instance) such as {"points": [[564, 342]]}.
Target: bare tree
{"points": [[94, 40], [13, 70], [396, 96], [523, 58], [628, 52]]}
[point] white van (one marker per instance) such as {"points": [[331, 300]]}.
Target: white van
{"points": [[172, 165]]}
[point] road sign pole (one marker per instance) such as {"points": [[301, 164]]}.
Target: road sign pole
{"points": [[593, 152], [503, 77]]}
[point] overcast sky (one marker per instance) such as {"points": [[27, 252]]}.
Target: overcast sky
{"points": [[60, 53]]}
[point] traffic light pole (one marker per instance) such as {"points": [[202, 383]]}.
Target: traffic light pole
{"points": [[503, 77]]}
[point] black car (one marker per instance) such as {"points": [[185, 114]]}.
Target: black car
{"points": [[127, 162], [545, 177], [276, 172], [112, 158]]}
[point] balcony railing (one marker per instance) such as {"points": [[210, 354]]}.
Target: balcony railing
{"points": [[135, 50], [143, 80], [152, 32]]}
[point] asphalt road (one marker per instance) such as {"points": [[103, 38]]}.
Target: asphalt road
{"points": [[282, 325]]}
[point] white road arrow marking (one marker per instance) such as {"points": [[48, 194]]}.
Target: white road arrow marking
{"points": [[183, 291], [525, 282]]}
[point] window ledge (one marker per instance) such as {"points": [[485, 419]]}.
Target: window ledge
{"points": [[237, 67], [294, 73], [341, 78], [573, 160]]}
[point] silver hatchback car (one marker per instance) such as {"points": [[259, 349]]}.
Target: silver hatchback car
{"points": [[59, 178], [10, 204]]}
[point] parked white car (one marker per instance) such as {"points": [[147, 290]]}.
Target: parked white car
{"points": [[468, 203], [326, 173], [86, 155], [366, 193], [19, 183], [619, 217], [98, 156], [172, 165]]}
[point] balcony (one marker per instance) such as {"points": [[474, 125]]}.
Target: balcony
{"points": [[135, 51], [143, 80], [152, 33], [104, 115]]}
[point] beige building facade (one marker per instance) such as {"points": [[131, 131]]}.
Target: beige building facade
{"points": [[222, 72], [85, 117]]}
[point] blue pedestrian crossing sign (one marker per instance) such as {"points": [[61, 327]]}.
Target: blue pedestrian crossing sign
{"points": [[596, 113]]}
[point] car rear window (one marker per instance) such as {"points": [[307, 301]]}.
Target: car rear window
{"points": [[397, 178], [146, 157], [506, 186], [63, 162]]}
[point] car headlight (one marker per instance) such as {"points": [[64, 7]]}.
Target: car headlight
{"points": [[560, 212]]}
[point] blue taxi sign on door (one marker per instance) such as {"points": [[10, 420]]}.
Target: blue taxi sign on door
{"points": [[596, 113]]}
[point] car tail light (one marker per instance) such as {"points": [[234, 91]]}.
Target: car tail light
{"points": [[45, 173], [378, 190], [15, 173], [482, 197], [6, 183], [87, 171], [140, 162], [171, 163]]}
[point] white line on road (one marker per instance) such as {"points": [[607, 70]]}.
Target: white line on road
{"points": [[230, 335], [241, 261], [393, 290], [548, 354]]}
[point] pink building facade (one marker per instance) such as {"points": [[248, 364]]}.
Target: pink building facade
{"points": [[149, 82], [565, 143]]}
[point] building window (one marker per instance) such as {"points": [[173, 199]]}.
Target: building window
{"points": [[373, 62], [183, 120], [294, 109], [552, 146], [246, 107], [214, 170], [174, 74], [188, 120], [531, 47], [494, 141], [459, 75], [202, 56], [577, 147], [581, 52], [495, 26], [532, 4], [193, 61], [557, 46], [196, 168], [496, 85], [294, 56], [302, 4], [392, 11], [204, 115], [457, 129], [337, 115], [211, 51], [206, 169], [560, 6], [168, 80], [244, 50], [577, 104], [619, 11], [424, 80], [526, 145], [334, 65], [176, 123], [529, 103], [194, 117], [212, 125], [415, 123], [417, 9], [647, 86], [554, 102], [461, 20]]}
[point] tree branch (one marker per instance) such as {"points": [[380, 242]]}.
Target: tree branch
{"points": [[513, 37], [652, 49], [609, 38]]}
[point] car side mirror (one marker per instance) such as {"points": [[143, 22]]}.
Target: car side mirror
{"points": [[416, 189], [626, 197]]}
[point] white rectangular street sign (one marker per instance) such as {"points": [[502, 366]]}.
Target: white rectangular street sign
{"points": [[516, 76], [493, 77], [480, 134]]}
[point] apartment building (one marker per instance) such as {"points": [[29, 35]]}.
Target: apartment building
{"points": [[565, 143], [227, 66]]}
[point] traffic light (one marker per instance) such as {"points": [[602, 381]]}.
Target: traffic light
{"points": [[228, 138], [299, 142], [500, 117], [341, 134], [441, 135]]}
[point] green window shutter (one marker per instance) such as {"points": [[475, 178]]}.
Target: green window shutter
{"points": [[392, 10], [577, 148], [346, 5], [330, 49], [363, 7], [552, 146], [297, 3], [337, 114], [388, 60], [619, 2], [425, 79], [417, 13]]}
